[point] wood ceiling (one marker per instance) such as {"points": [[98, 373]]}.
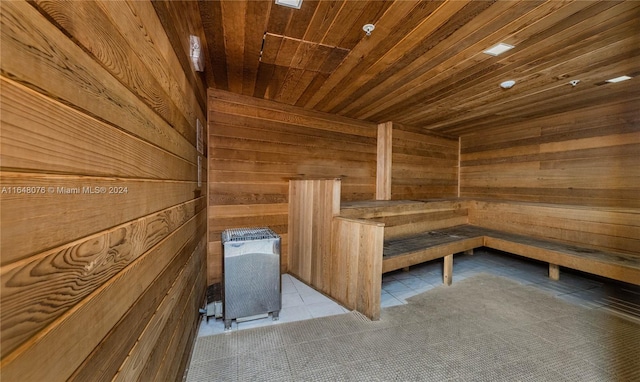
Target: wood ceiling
{"points": [[423, 64]]}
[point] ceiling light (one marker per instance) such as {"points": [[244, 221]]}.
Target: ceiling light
{"points": [[507, 84], [618, 79], [290, 3], [498, 49], [368, 28]]}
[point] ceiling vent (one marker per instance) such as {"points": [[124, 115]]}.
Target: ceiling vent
{"points": [[290, 3]]}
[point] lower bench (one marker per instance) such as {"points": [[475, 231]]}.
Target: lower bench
{"points": [[404, 252]]}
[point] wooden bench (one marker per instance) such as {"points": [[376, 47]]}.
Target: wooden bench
{"points": [[403, 252], [370, 238]]}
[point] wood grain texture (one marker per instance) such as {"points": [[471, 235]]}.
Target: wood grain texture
{"points": [[423, 64], [608, 229], [356, 248], [312, 206], [52, 282], [29, 38], [257, 146], [98, 115], [587, 157], [425, 165], [99, 35], [384, 161]]}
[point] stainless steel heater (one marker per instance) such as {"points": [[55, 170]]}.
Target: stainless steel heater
{"points": [[251, 274]]}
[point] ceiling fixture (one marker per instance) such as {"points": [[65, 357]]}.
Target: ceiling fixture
{"points": [[368, 28], [498, 49], [507, 84], [290, 3], [618, 79], [574, 82], [196, 53]]}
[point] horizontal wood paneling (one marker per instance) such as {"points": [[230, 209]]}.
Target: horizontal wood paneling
{"points": [[424, 164], [603, 228], [103, 224], [586, 157], [256, 146]]}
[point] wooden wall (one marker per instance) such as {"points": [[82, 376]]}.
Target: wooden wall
{"points": [[256, 146], [103, 223], [424, 164], [584, 157]]}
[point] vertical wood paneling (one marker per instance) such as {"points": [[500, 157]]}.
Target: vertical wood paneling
{"points": [[586, 157], [424, 164], [103, 224], [312, 206], [384, 162], [356, 250], [257, 146]]}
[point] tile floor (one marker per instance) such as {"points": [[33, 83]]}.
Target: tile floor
{"points": [[301, 302]]}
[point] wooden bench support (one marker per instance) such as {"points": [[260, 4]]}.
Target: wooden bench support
{"points": [[469, 252], [447, 273], [406, 269], [554, 272]]}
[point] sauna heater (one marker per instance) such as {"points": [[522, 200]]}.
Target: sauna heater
{"points": [[251, 274]]}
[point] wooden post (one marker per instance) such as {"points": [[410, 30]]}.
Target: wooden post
{"points": [[469, 252], [383, 167], [447, 273], [554, 272], [405, 269]]}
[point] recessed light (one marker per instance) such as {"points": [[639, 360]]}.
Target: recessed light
{"points": [[498, 49], [618, 79], [507, 84], [290, 3]]}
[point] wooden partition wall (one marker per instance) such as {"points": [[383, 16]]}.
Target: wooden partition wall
{"points": [[312, 205], [339, 256], [585, 157], [256, 146], [103, 224]]}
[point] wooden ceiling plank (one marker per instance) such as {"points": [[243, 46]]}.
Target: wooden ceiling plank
{"points": [[211, 15], [303, 55], [321, 53], [542, 26], [469, 37], [300, 19], [552, 61], [287, 50], [343, 21], [466, 60], [289, 85], [551, 53], [384, 30], [545, 105], [275, 83], [255, 24], [445, 21], [323, 17], [279, 19], [263, 79], [233, 21], [312, 88], [370, 15]]}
